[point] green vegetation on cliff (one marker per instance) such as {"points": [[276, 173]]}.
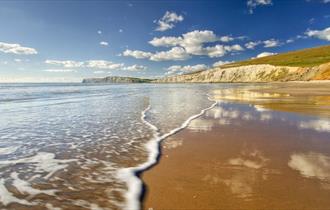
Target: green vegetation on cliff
{"points": [[300, 58]]}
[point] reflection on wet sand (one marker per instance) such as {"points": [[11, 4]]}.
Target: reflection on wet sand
{"points": [[172, 143], [318, 125], [253, 159], [225, 114], [306, 98], [244, 156], [311, 165], [247, 169]]}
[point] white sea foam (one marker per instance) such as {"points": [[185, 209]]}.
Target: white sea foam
{"points": [[49, 206], [128, 175], [25, 187], [7, 197], [43, 162], [7, 150], [87, 205]]}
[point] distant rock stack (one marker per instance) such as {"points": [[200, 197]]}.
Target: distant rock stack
{"points": [[114, 79]]}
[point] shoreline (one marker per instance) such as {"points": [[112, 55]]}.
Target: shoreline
{"points": [[79, 82], [132, 176], [160, 196]]}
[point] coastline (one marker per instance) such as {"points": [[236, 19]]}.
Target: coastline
{"points": [[203, 166]]}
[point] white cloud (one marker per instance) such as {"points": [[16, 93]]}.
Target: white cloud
{"points": [[220, 63], [226, 39], [235, 47], [168, 21], [293, 39], [60, 70], [17, 60], [16, 49], [166, 41], [135, 68], [99, 32], [252, 45], [95, 64], [215, 51], [98, 72], [103, 64], [220, 50], [103, 43], [326, 1], [137, 54], [267, 43], [198, 37], [176, 54], [184, 46], [121, 30], [290, 40], [65, 63], [193, 43], [177, 69], [271, 43], [301, 37], [320, 34], [252, 4], [311, 20], [264, 54], [190, 41]]}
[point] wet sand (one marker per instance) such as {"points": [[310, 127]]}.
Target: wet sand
{"points": [[242, 155], [307, 98]]}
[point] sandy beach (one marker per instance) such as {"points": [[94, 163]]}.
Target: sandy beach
{"points": [[254, 150]]}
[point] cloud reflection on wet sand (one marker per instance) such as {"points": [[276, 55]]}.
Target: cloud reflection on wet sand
{"points": [[227, 114], [317, 125], [250, 167], [311, 165]]}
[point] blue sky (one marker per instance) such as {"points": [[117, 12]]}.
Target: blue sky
{"points": [[60, 41]]}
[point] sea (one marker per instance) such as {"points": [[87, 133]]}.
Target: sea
{"points": [[79, 146]]}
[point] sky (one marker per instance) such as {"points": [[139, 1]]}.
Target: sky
{"points": [[66, 41]]}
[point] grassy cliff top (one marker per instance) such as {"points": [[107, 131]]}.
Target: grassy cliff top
{"points": [[301, 58]]}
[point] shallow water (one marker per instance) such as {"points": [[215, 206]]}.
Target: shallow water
{"points": [[63, 145]]}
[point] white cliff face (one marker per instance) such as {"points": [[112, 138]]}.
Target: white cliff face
{"points": [[251, 73]]}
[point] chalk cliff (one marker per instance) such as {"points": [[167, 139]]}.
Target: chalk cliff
{"points": [[253, 73]]}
